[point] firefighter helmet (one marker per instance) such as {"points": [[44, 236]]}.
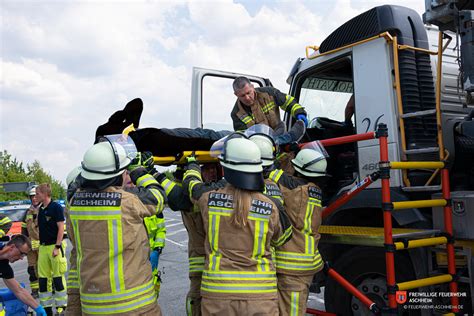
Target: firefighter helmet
{"points": [[311, 160], [241, 160], [72, 175]]}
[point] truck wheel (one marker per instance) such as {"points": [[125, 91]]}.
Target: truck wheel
{"points": [[364, 268]]}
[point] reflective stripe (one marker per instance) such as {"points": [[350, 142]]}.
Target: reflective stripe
{"points": [[238, 288], [124, 295], [119, 308], [247, 119], [275, 175], [259, 241], [72, 280], [46, 299], [295, 256], [283, 238], [295, 299], [168, 185], [146, 180], [214, 256], [288, 100], [117, 282], [60, 298], [259, 217], [192, 183], [268, 107], [157, 194], [240, 275], [189, 306], [220, 211], [295, 107], [77, 237], [307, 230], [291, 262], [5, 220], [196, 264], [192, 173]]}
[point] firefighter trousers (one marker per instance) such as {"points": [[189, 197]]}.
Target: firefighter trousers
{"points": [[221, 307], [53, 269], [32, 258], [193, 298], [293, 294]]}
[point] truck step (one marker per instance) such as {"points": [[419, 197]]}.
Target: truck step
{"points": [[418, 113], [422, 188], [422, 150]]}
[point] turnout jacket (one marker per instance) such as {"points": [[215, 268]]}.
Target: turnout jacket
{"points": [[265, 110], [113, 267], [238, 262], [300, 256], [30, 225]]}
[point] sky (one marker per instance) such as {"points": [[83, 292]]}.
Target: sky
{"points": [[66, 66]]}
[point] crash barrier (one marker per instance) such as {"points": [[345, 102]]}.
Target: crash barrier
{"points": [[11, 305]]}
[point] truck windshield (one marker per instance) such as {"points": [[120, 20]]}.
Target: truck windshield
{"points": [[327, 91]]}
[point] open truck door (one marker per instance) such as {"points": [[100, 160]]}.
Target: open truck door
{"points": [[212, 97]]}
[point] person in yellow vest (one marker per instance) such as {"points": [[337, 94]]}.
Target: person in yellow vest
{"points": [[52, 262], [73, 181], [262, 105], [30, 229], [5, 225], [114, 271], [241, 224], [299, 260]]}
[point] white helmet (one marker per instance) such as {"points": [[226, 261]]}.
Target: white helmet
{"points": [[262, 136], [32, 190], [241, 160], [72, 175], [267, 148], [311, 160], [109, 158]]}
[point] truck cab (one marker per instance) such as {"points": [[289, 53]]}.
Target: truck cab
{"points": [[379, 65]]}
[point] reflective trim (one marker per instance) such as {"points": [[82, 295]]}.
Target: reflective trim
{"points": [[307, 229], [295, 107], [259, 241], [77, 237], [168, 185], [240, 275], [192, 173], [220, 211], [5, 220], [275, 175], [117, 282], [259, 217], [288, 100], [189, 306], [214, 256], [238, 288], [294, 305], [196, 264], [119, 308], [124, 295], [284, 237], [268, 107], [146, 180], [247, 118], [295, 256], [160, 202], [46, 299]]}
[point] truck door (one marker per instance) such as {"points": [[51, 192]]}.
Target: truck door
{"points": [[212, 97]]}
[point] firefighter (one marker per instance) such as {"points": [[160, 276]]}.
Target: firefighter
{"points": [[299, 260], [115, 275], [52, 262], [241, 224], [261, 105], [73, 296], [30, 229], [192, 219]]}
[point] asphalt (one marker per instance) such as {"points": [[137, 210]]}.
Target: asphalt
{"points": [[173, 266]]}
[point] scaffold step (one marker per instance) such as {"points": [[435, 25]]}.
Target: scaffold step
{"points": [[422, 188], [422, 150], [417, 243], [419, 113], [439, 279]]}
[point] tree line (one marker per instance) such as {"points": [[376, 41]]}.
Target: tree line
{"points": [[13, 170]]}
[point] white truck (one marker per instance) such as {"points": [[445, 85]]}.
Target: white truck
{"points": [[383, 58]]}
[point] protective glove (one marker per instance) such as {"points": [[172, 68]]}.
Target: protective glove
{"points": [[40, 311], [191, 158], [303, 118], [144, 159], [155, 258]]}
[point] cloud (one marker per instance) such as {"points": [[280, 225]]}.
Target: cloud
{"points": [[67, 65]]}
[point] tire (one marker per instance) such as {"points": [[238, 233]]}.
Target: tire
{"points": [[363, 267]]}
